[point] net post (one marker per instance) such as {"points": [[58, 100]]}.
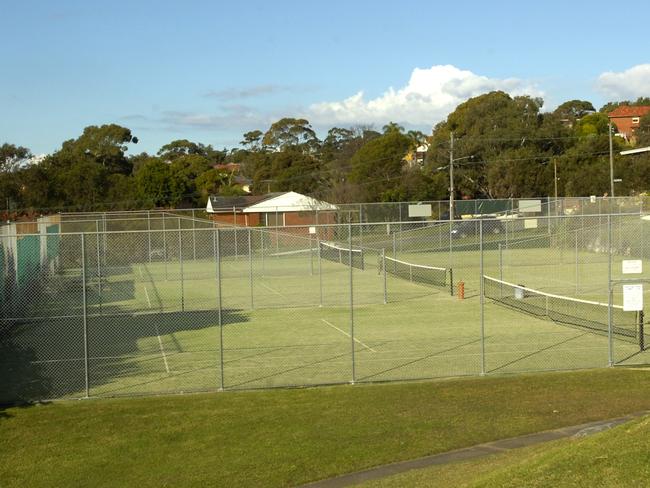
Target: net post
{"points": [[99, 267], [641, 331], [217, 250], [250, 266], [383, 269], [451, 281], [482, 295], [351, 304], [85, 314], [180, 262]]}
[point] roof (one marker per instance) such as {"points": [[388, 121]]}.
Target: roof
{"points": [[271, 202], [629, 111], [289, 202], [216, 202]]}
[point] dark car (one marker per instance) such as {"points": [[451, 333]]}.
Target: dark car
{"points": [[466, 228]]}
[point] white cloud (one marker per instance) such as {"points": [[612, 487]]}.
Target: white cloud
{"points": [[428, 97], [631, 83]]}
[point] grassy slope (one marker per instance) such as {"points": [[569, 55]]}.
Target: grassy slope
{"points": [[285, 437], [616, 458]]}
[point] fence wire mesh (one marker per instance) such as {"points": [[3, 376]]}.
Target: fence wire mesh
{"points": [[171, 303]]}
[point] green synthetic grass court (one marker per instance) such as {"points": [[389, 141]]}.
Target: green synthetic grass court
{"points": [[151, 332]]}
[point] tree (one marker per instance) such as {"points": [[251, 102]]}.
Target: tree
{"points": [[392, 126], [182, 147], [289, 132], [377, 166], [574, 110], [253, 140], [642, 133], [153, 182]]}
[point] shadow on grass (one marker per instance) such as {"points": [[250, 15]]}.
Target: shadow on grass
{"points": [[45, 359]]}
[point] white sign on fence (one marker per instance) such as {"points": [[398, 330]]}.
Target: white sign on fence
{"points": [[530, 206], [420, 210], [312, 230], [632, 298], [632, 266]]}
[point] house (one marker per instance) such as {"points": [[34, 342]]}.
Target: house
{"points": [[627, 119], [416, 157], [233, 169], [271, 210]]}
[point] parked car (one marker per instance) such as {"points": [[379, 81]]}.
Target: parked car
{"points": [[466, 228]]}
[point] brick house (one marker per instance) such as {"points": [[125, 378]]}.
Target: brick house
{"points": [[271, 210], [627, 119]]}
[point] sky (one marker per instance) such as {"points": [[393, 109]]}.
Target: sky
{"points": [[209, 71]]}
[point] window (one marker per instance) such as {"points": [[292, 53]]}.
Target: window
{"points": [[274, 219], [635, 120]]}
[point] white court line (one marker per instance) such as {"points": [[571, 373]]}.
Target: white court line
{"points": [[273, 290], [160, 344], [146, 293], [162, 350], [343, 332]]}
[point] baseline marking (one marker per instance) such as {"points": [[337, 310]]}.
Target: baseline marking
{"points": [[343, 332]]}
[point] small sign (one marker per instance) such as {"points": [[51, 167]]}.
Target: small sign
{"points": [[420, 210], [530, 224], [312, 230], [632, 266], [592, 198], [530, 206], [632, 298]]}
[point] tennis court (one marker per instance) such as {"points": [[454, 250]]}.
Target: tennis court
{"points": [[267, 308]]}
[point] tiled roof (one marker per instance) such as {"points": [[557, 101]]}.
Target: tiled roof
{"points": [[629, 111], [239, 202]]}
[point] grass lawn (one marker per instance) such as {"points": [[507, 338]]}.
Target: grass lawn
{"points": [[616, 458], [288, 437]]}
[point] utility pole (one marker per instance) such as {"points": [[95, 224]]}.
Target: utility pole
{"points": [[555, 183], [611, 161], [451, 176]]}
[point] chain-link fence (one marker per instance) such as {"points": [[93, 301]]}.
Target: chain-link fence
{"points": [[174, 304]]}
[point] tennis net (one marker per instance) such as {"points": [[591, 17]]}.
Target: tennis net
{"points": [[344, 255], [417, 273], [583, 314]]}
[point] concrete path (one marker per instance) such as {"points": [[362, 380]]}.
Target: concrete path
{"points": [[473, 452]]}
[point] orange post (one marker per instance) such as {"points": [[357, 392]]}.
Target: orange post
{"points": [[461, 290]]}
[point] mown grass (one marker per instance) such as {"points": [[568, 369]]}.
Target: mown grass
{"points": [[616, 458], [288, 437]]}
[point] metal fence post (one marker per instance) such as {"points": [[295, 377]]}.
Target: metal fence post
{"points": [[164, 233], [610, 344], [482, 296], [250, 266], [383, 270], [577, 266], [351, 303], [320, 272], [180, 261], [217, 247], [99, 267], [149, 234], [193, 235], [85, 315]]}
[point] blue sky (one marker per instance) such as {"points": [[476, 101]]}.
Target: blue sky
{"points": [[210, 71]]}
